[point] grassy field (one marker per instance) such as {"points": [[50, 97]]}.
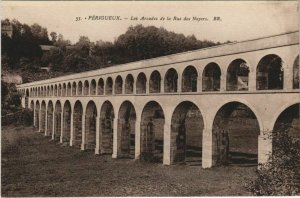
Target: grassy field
{"points": [[32, 165]]}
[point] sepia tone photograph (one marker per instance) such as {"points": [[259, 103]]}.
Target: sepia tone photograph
{"points": [[150, 98]]}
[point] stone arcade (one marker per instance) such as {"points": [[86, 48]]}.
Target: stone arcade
{"points": [[205, 103]]}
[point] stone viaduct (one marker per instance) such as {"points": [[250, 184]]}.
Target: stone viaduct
{"points": [[152, 109]]}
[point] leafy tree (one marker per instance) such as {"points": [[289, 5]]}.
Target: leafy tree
{"points": [[53, 36], [281, 174]]}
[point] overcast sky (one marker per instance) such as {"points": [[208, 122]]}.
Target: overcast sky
{"points": [[240, 20]]}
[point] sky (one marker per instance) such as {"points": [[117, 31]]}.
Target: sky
{"points": [[240, 20]]}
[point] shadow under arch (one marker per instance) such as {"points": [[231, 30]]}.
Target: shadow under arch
{"points": [[126, 130], [106, 127], [187, 127], [235, 135], [152, 132]]}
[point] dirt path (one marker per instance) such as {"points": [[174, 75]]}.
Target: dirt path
{"points": [[32, 165]]}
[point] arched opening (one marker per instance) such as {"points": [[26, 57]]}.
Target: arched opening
{"points": [[141, 83], [269, 73], [211, 77], [74, 89], [59, 90], [26, 98], [100, 87], [288, 121], [126, 129], [50, 118], [171, 78], [66, 122], [37, 114], [77, 124], [93, 87], [55, 90], [186, 134], [235, 135], [189, 79], [106, 128], [152, 132], [43, 117], [32, 105], [108, 86], [296, 73], [69, 89], [51, 91], [118, 85], [129, 81], [79, 91], [155, 82], [64, 90], [48, 91], [90, 126], [57, 120], [42, 92], [86, 88], [237, 75]]}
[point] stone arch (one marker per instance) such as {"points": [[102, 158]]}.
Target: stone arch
{"points": [[296, 73], [171, 79], [129, 82], [155, 82], [55, 90], [32, 105], [59, 90], [235, 135], [26, 98], [57, 120], [50, 110], [69, 89], [64, 89], [66, 132], [269, 73], [289, 121], [100, 87], [126, 130], [118, 85], [51, 91], [189, 79], [107, 116], [109, 86], [48, 90], [93, 87], [211, 77], [74, 89], [37, 114], [77, 124], [90, 126], [141, 83], [79, 91], [42, 91], [86, 88], [152, 132], [237, 75], [43, 116], [187, 127]]}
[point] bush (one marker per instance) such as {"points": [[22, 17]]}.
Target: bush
{"points": [[281, 174], [23, 117]]}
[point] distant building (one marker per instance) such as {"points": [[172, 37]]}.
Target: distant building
{"points": [[47, 48], [7, 29]]}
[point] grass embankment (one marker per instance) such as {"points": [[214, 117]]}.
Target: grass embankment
{"points": [[32, 165]]}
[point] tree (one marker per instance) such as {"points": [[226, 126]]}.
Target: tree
{"points": [[53, 36], [281, 174]]}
